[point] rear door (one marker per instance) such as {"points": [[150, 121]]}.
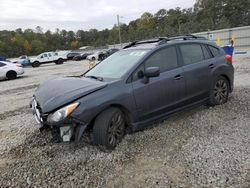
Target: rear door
{"points": [[197, 65], [163, 93], [51, 57]]}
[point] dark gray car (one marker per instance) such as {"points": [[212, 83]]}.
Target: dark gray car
{"points": [[133, 88]]}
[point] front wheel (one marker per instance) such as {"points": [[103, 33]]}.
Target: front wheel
{"points": [[109, 128], [219, 91], [36, 64]]}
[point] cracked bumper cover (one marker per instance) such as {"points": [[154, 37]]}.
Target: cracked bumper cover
{"points": [[77, 126]]}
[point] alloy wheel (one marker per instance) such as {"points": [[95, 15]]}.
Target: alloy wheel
{"points": [[221, 91], [116, 129]]}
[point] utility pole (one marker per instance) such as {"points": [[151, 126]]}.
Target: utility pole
{"points": [[119, 29], [179, 26]]}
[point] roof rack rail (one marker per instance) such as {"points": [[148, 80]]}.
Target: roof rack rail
{"points": [[157, 40], [163, 40], [188, 37], [196, 37]]}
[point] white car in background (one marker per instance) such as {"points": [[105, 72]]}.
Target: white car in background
{"points": [[99, 55], [10, 70], [48, 57]]}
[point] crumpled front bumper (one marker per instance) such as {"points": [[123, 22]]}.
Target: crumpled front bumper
{"points": [[37, 113], [70, 129]]}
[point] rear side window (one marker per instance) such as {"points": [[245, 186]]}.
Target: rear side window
{"points": [[214, 51], [207, 54], [165, 59], [191, 53], [2, 64]]}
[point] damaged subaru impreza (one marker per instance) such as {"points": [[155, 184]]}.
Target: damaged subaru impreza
{"points": [[142, 84]]}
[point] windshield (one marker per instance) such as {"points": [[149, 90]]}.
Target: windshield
{"points": [[117, 64]]}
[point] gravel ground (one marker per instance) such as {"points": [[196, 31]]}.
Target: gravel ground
{"points": [[204, 147]]}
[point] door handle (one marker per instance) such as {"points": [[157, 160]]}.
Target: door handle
{"points": [[211, 66], [178, 77]]}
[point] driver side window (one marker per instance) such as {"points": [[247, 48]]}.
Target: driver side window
{"points": [[165, 59]]}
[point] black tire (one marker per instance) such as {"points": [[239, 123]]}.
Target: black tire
{"points": [[59, 61], [109, 128], [219, 91], [36, 64], [93, 58], [11, 75], [101, 57]]}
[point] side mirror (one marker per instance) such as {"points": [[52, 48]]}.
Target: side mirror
{"points": [[151, 72]]}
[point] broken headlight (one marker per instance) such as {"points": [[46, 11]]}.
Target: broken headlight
{"points": [[62, 113]]}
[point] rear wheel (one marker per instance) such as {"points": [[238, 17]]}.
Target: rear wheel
{"points": [[11, 75], [109, 128], [59, 61], [219, 91], [36, 64]]}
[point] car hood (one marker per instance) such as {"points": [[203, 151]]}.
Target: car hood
{"points": [[56, 93]]}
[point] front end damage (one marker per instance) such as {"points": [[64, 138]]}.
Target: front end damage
{"points": [[63, 127]]}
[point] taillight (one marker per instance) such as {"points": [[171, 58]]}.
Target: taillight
{"points": [[229, 58]]}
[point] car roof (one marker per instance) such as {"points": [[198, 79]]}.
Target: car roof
{"points": [[164, 41]]}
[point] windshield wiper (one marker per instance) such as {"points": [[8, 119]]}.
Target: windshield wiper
{"points": [[95, 77]]}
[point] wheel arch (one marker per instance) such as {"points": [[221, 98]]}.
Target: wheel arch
{"points": [[125, 111], [229, 81]]}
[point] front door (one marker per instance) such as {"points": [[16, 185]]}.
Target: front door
{"points": [[163, 93]]}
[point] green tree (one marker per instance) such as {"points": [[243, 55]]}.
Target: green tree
{"points": [[204, 15]]}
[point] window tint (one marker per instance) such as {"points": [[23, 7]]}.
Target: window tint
{"points": [[206, 53], [214, 51], [45, 55], [165, 59], [2, 64], [50, 55], [191, 53]]}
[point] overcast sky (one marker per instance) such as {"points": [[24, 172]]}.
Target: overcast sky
{"points": [[77, 14]]}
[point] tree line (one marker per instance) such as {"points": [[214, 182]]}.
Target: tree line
{"points": [[205, 15]]}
